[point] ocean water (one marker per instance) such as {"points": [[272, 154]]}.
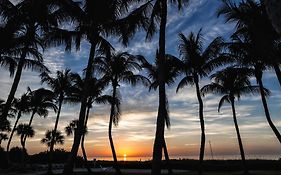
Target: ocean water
{"points": [[207, 157]]}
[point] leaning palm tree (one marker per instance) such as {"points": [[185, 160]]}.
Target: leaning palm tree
{"points": [[96, 20], [40, 101], [61, 87], [52, 137], [248, 48], [117, 68], [244, 49], [171, 72], [159, 14], [197, 63], [23, 131], [22, 105], [232, 83]]}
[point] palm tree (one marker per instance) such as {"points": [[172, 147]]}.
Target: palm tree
{"points": [[24, 130], [61, 87], [159, 14], [71, 129], [198, 63], [171, 72], [248, 51], [32, 20], [95, 96], [95, 20], [232, 83], [52, 137], [116, 68], [22, 105], [3, 137], [40, 101]]}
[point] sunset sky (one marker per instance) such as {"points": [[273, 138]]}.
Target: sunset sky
{"points": [[134, 135]]}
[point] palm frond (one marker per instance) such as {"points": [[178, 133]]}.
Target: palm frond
{"points": [[224, 99]]}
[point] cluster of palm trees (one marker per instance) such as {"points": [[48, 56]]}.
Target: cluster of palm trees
{"points": [[31, 26]]}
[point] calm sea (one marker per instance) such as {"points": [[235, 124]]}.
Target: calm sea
{"points": [[221, 157]]}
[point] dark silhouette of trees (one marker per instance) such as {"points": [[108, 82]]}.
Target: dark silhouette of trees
{"points": [[159, 14], [117, 68], [197, 63], [61, 86]]}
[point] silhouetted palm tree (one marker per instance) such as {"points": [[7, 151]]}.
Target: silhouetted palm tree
{"points": [[61, 86], [159, 14], [117, 68], [24, 130], [31, 19], [22, 105], [40, 101], [171, 72], [95, 20], [95, 96], [248, 48], [198, 63], [52, 137], [232, 83]]}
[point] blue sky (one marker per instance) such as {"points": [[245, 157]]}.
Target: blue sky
{"points": [[139, 107]]}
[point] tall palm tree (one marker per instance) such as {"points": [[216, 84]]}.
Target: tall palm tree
{"points": [[117, 68], [198, 63], [171, 72], [24, 130], [159, 14], [22, 105], [40, 101], [248, 51], [95, 96], [96, 20], [31, 19], [51, 138], [232, 83], [245, 52], [61, 86]]}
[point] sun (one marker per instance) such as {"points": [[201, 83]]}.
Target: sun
{"points": [[125, 157]]}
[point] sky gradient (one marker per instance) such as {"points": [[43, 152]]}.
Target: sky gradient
{"points": [[134, 135]]}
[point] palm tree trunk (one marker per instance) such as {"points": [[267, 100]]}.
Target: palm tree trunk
{"points": [[278, 72], [68, 168], [29, 124], [23, 153], [50, 164], [202, 124], [118, 172], [166, 154], [11, 136], [239, 137], [14, 87], [160, 128], [266, 110], [82, 142]]}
